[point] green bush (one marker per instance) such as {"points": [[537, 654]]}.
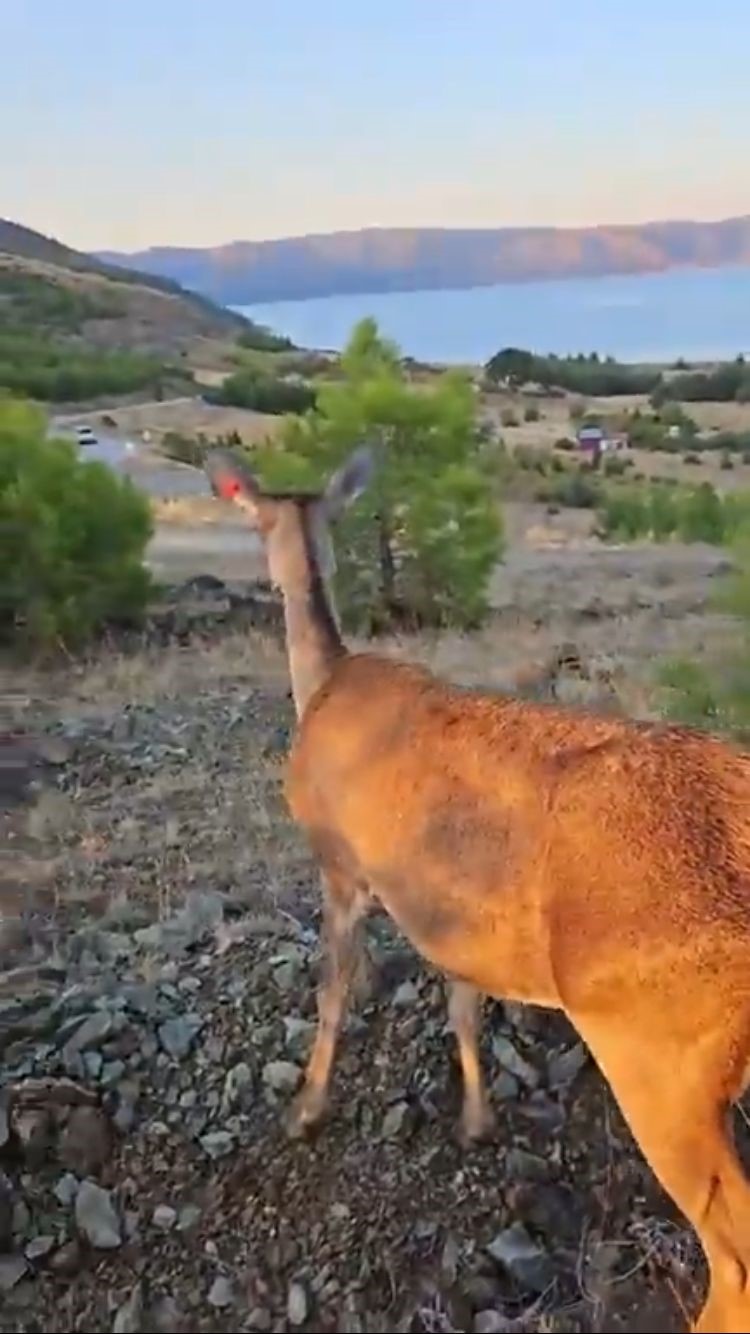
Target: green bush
{"points": [[591, 375], [72, 538], [509, 417], [716, 697], [531, 413], [263, 393], [420, 545]]}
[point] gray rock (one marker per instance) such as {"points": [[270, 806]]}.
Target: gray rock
{"points": [[563, 1066], [217, 1143], [512, 1060], [282, 1076], [67, 1189], [39, 1246], [130, 1317], [12, 1270], [90, 1034], [395, 1120], [178, 1035], [405, 995], [164, 1217], [505, 1086], [221, 1293], [188, 1217], [297, 1304], [523, 1258], [237, 1084], [92, 1063], [97, 1218]]}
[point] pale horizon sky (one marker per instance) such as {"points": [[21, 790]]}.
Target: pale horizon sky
{"points": [[185, 122]]}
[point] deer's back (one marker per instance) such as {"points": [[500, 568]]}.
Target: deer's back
{"points": [[530, 849]]}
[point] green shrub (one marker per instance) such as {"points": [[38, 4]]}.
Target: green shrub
{"points": [[72, 538], [573, 490], [531, 413], [263, 393], [509, 417], [420, 545], [716, 696], [616, 465]]}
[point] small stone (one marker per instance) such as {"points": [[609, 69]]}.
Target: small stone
{"points": [[563, 1066], [297, 1305], [164, 1217], [527, 1166], [405, 995], [21, 1219], [237, 1083], [111, 1073], [221, 1293], [188, 1217], [12, 1270], [91, 1033], [96, 1217], [217, 1143], [505, 1086], [39, 1246], [177, 1036], [524, 1259], [395, 1120], [130, 1317], [67, 1189], [282, 1076], [86, 1142], [511, 1059], [92, 1063]]}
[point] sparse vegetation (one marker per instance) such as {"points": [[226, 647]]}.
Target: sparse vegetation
{"points": [[716, 697], [659, 510], [72, 538], [62, 372]]}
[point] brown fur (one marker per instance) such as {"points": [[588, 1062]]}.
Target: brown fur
{"points": [[535, 854]]}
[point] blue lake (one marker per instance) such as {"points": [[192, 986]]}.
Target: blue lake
{"points": [[692, 313]]}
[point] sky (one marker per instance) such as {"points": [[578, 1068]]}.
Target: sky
{"points": [[197, 122]]}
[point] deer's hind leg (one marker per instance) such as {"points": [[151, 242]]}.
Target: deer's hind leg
{"points": [[345, 903], [464, 1012], [675, 1093]]}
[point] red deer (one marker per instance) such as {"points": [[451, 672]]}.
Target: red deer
{"points": [[595, 865]]}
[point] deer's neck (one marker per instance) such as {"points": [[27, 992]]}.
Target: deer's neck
{"points": [[314, 642]]}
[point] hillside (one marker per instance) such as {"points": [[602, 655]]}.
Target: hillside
{"points": [[48, 289], [400, 259]]}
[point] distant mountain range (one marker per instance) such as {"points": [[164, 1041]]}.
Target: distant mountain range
{"points": [[402, 259]]}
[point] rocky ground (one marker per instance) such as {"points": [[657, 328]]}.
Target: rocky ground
{"points": [[160, 946]]}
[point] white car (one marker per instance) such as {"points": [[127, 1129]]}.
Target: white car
{"points": [[85, 435]]}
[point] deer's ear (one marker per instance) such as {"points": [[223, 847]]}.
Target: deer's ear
{"points": [[349, 481], [232, 479]]}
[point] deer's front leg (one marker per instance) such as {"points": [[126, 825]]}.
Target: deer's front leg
{"points": [[345, 904], [464, 1006]]}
